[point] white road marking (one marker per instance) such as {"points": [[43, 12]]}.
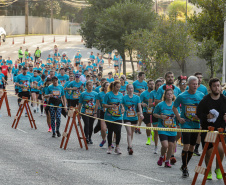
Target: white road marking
{"points": [[21, 130], [15, 51], [146, 177], [2, 51]]}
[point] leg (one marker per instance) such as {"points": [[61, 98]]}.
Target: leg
{"points": [[117, 130], [58, 118], [129, 137], [164, 147], [86, 126], [110, 132], [52, 114], [91, 121], [103, 129], [221, 153]]}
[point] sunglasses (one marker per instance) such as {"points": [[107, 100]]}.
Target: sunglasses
{"points": [[183, 83]]}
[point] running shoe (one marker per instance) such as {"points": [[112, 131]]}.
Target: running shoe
{"points": [[155, 150], [26, 114], [209, 177], [117, 150], [185, 173], [58, 133], [173, 160], [90, 141], [112, 146], [109, 150], [196, 153], [138, 131], [153, 135], [87, 141], [34, 110], [160, 161], [41, 114], [54, 135], [218, 173], [167, 164], [50, 129], [102, 143], [148, 141], [130, 151]]}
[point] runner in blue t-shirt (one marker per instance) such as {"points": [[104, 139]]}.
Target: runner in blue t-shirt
{"points": [[100, 99], [113, 103], [132, 104], [123, 86], [68, 92], [110, 77], [63, 77], [40, 87], [56, 96], [188, 119], [35, 91], [87, 102], [166, 117], [2, 79]]}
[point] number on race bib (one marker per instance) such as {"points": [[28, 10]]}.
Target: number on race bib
{"points": [[89, 112]]}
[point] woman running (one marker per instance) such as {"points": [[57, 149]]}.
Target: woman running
{"points": [[131, 103], [153, 94], [113, 103], [35, 91], [100, 99], [87, 102], [123, 85], [163, 111], [40, 96]]}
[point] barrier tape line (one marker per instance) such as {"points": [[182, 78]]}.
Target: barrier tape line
{"points": [[134, 126]]}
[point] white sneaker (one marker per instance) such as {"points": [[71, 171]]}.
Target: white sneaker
{"points": [[41, 114], [155, 151], [117, 150]]}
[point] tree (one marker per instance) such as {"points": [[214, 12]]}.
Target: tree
{"points": [[120, 20], [209, 50], [210, 22]]}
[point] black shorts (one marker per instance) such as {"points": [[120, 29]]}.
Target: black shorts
{"points": [[147, 117], [35, 92], [47, 107], [1, 86], [6, 77], [164, 137], [132, 122], [190, 137], [17, 91], [74, 103], [77, 64], [40, 97], [101, 114], [25, 94], [154, 119]]}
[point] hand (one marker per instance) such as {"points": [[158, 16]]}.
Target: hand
{"points": [[114, 106], [141, 116], [210, 116], [224, 117], [163, 116], [181, 120], [65, 109]]}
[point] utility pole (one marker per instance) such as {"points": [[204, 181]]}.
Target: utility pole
{"points": [[186, 10], [51, 16], [156, 6], [26, 17], [224, 56]]}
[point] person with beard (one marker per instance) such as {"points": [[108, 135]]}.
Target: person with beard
{"points": [[144, 98], [188, 119], [202, 88], [169, 77], [212, 112]]}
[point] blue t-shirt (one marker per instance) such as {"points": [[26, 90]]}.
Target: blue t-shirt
{"points": [[161, 91], [38, 69], [30, 73], [9, 62], [25, 80], [88, 101], [131, 107], [201, 88], [75, 93], [1, 76], [110, 80], [68, 93], [31, 58], [98, 89], [100, 62], [35, 85], [89, 67], [64, 61], [41, 83], [63, 79], [100, 97], [92, 57], [170, 122], [224, 92], [51, 59], [78, 57], [123, 89], [56, 91], [144, 97], [113, 114], [189, 103], [139, 86]]}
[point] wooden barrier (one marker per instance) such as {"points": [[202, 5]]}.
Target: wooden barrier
{"points": [[73, 113], [213, 137], [24, 104], [4, 97]]}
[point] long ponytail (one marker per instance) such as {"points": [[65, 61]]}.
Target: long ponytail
{"points": [[112, 85]]}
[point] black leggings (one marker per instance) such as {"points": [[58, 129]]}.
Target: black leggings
{"points": [[116, 129], [88, 126]]}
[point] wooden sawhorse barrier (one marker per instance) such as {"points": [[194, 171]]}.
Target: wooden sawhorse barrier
{"points": [[4, 97], [73, 113], [213, 137], [24, 104]]}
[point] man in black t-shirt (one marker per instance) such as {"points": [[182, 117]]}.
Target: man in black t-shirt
{"points": [[212, 112]]}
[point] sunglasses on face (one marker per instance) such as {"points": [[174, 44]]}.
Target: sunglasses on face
{"points": [[183, 83]]}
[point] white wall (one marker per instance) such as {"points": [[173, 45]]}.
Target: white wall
{"points": [[15, 25]]}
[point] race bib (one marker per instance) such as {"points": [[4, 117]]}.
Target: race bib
{"points": [[130, 114], [168, 123], [25, 86], [75, 96], [56, 93], [89, 111], [149, 110], [114, 111], [190, 112]]}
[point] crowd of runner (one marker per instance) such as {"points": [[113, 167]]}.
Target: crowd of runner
{"points": [[166, 102]]}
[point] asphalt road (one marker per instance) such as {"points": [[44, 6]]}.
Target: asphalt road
{"points": [[29, 156]]}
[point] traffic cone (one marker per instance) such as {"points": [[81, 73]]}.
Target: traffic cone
{"points": [[54, 39], [13, 42], [24, 41], [43, 39], [66, 39]]}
